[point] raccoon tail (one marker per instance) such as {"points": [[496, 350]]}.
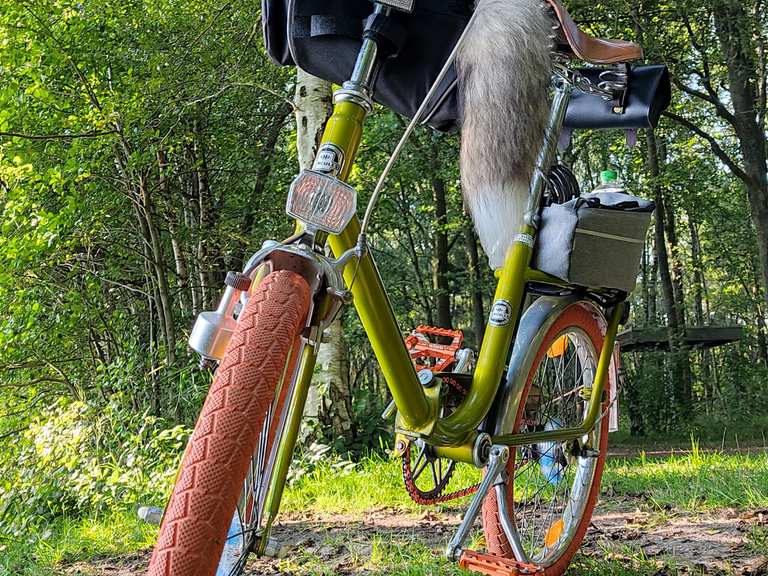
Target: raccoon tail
{"points": [[504, 71]]}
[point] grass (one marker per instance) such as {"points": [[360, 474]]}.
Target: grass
{"points": [[637, 566], [67, 541], [384, 557], [757, 539], [693, 482]]}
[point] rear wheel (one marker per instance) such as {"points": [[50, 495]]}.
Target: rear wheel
{"points": [[552, 487], [202, 514]]}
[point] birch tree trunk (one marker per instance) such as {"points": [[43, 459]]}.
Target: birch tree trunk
{"points": [[330, 398]]}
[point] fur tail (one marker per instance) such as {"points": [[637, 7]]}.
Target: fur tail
{"points": [[504, 72]]}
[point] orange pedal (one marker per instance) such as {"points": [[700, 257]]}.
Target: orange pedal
{"points": [[495, 565], [431, 355]]}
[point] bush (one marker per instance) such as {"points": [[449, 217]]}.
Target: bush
{"points": [[84, 458]]}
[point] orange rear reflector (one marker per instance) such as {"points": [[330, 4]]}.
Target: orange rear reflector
{"points": [[558, 347], [554, 533]]}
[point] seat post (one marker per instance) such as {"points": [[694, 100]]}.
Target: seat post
{"points": [[563, 91]]}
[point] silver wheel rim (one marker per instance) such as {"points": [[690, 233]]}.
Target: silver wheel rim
{"points": [[552, 481]]}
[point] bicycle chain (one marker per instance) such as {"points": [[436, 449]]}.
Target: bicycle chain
{"points": [[414, 492]]}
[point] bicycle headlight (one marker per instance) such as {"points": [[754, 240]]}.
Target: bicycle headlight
{"points": [[322, 202]]}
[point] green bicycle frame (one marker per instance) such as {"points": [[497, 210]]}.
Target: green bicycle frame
{"points": [[417, 406], [455, 436]]}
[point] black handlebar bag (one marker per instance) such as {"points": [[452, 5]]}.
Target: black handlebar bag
{"points": [[324, 37]]}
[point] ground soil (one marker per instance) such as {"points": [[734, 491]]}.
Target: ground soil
{"points": [[714, 542]]}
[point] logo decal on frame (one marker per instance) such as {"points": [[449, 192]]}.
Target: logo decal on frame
{"points": [[329, 159], [501, 313]]}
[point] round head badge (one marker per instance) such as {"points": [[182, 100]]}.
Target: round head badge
{"points": [[329, 159], [501, 313]]}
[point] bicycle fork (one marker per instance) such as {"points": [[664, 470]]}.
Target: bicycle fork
{"points": [[286, 442], [212, 332]]}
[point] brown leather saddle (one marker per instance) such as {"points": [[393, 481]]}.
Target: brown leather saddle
{"points": [[591, 49]]}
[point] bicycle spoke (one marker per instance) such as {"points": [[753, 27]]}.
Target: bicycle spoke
{"points": [[550, 478]]}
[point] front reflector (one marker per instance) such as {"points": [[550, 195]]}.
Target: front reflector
{"points": [[322, 202]]}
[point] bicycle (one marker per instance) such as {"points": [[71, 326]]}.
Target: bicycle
{"points": [[536, 427]]}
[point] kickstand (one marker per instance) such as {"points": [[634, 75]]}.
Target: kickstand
{"points": [[485, 563], [496, 464]]}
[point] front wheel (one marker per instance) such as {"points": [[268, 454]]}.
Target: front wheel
{"points": [[552, 487], [199, 517]]}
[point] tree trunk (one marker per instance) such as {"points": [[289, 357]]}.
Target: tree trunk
{"points": [[762, 331], [207, 216], [680, 363], [331, 382], [736, 32], [473, 257], [699, 289], [734, 29], [653, 293], [137, 190], [440, 262], [698, 270], [313, 108], [179, 259]]}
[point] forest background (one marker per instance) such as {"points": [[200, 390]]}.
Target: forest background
{"points": [[146, 147]]}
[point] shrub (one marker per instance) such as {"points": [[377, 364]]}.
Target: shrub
{"points": [[83, 458]]}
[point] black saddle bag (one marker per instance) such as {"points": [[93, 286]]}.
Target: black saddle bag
{"points": [[323, 37], [648, 95]]}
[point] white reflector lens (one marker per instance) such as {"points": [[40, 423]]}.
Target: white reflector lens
{"points": [[322, 202]]}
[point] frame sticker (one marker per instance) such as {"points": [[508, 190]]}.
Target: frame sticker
{"points": [[526, 239], [329, 159], [501, 313]]}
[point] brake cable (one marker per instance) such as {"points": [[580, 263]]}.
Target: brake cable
{"points": [[362, 244], [409, 130]]}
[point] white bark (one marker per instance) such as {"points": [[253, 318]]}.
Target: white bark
{"points": [[329, 395], [313, 108]]}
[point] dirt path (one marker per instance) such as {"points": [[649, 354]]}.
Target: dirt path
{"points": [[721, 541], [713, 543], [718, 542]]}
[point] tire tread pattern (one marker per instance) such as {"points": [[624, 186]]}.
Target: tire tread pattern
{"points": [[213, 468]]}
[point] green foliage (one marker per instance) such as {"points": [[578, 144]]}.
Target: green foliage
{"points": [[82, 459], [72, 540]]}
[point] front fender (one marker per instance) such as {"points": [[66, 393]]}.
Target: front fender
{"points": [[323, 278]]}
